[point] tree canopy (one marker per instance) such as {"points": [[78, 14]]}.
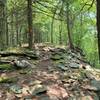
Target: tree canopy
{"points": [[64, 22]]}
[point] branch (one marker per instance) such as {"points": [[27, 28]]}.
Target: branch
{"points": [[49, 15], [45, 5], [46, 13], [91, 4]]}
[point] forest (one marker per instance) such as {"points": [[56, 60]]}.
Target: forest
{"points": [[49, 49]]}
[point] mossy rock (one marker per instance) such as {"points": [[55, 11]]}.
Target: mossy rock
{"points": [[39, 89], [57, 57], [82, 75], [7, 80], [16, 89], [6, 67]]}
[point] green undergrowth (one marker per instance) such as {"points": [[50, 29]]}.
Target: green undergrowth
{"points": [[6, 67], [16, 49], [8, 80]]}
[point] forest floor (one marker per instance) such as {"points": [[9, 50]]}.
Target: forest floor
{"points": [[57, 74]]}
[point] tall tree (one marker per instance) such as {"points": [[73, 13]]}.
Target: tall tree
{"points": [[98, 26], [30, 25], [2, 24], [68, 21]]}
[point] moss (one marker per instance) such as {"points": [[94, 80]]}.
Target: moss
{"points": [[5, 67], [14, 49], [57, 57], [82, 74], [18, 49], [7, 80], [59, 61]]}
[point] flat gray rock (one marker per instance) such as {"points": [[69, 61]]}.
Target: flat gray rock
{"points": [[39, 89], [16, 89], [74, 65], [96, 84], [62, 67]]}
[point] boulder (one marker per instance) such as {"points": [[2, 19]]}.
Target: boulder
{"points": [[96, 84], [21, 63], [16, 89]]}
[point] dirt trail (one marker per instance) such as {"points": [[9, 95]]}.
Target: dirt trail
{"points": [[47, 81]]}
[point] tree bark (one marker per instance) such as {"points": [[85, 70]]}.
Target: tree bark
{"points": [[69, 28], [52, 28], [2, 27], [17, 35], [7, 34], [60, 33], [98, 26], [12, 29], [30, 24]]}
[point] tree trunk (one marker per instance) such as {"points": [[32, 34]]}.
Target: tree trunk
{"points": [[98, 26], [60, 33], [17, 37], [7, 34], [52, 28], [12, 29], [2, 27], [30, 29], [6, 25], [69, 28]]}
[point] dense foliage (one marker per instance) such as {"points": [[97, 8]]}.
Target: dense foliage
{"points": [[56, 21]]}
